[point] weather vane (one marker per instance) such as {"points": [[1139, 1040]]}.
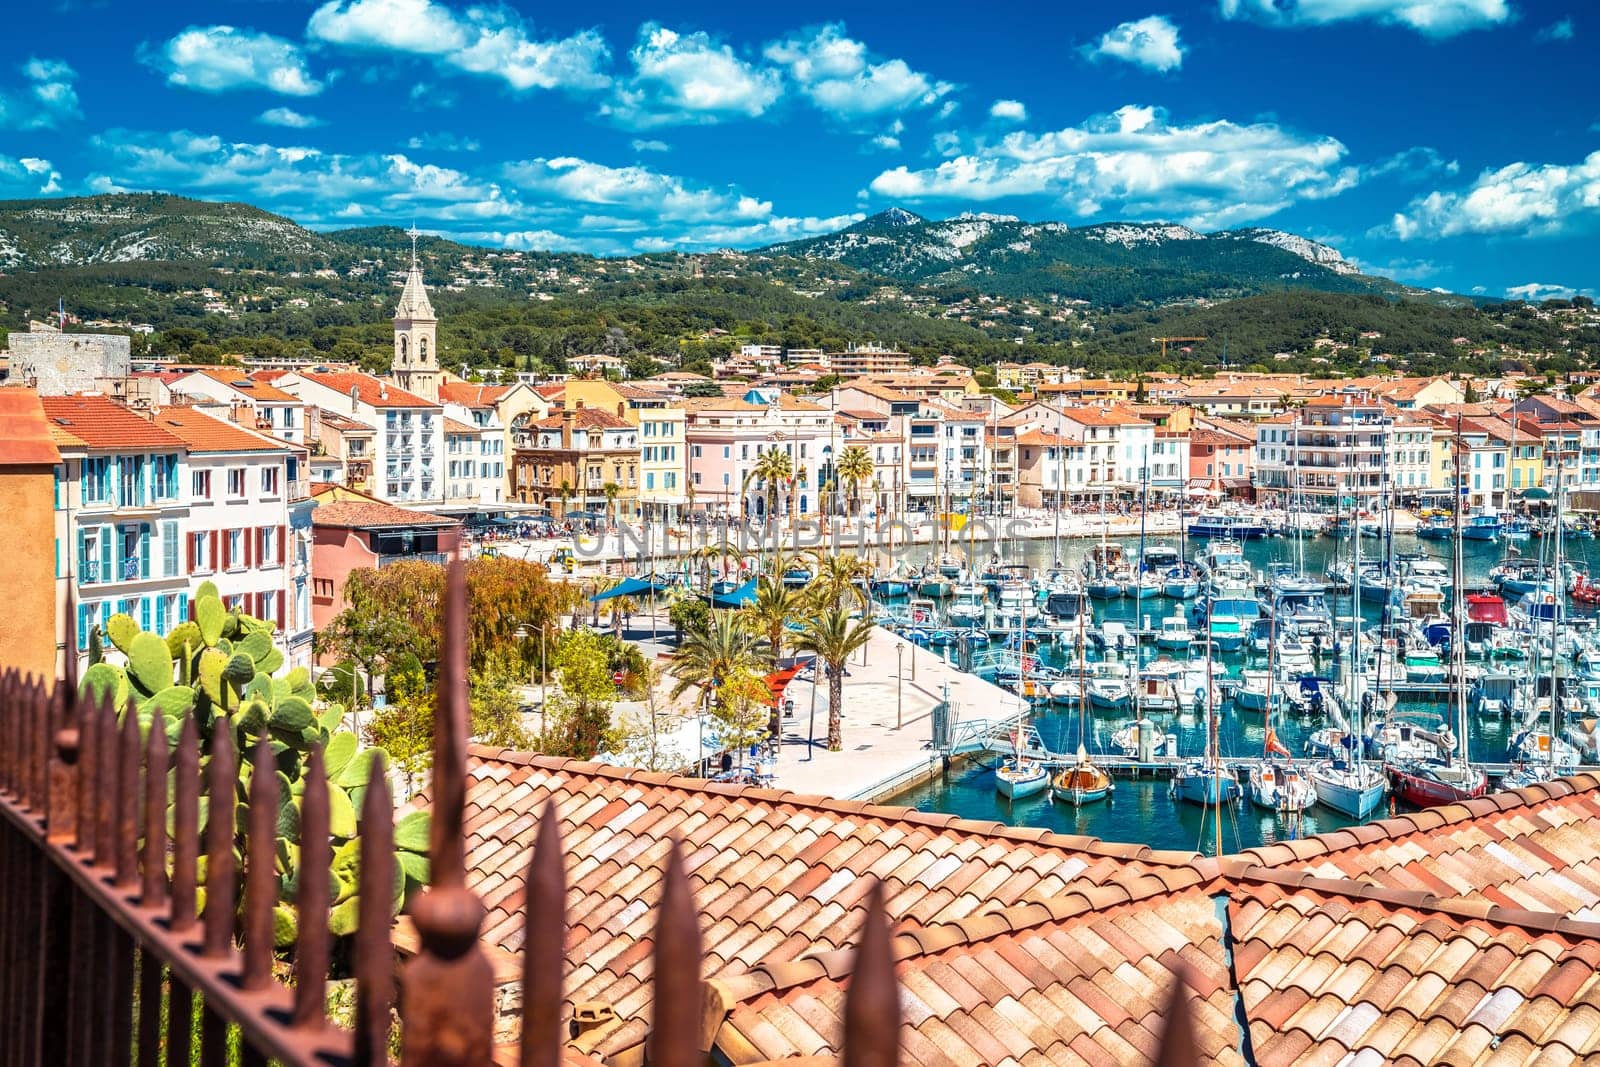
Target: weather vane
{"points": [[415, 233]]}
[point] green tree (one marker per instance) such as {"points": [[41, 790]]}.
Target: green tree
{"points": [[578, 716], [833, 635]]}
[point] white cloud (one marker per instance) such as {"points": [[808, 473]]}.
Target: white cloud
{"points": [[1136, 163], [886, 141], [1533, 292], [1413, 164], [28, 177], [443, 141], [216, 59], [1559, 30], [1433, 18], [1009, 110], [489, 40], [689, 78], [288, 118], [48, 98], [840, 76], [666, 196], [1151, 42], [1524, 199], [650, 144]]}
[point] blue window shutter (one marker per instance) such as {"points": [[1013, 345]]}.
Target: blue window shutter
{"points": [[161, 614], [83, 625], [183, 608], [108, 536], [144, 551], [144, 613], [85, 564]]}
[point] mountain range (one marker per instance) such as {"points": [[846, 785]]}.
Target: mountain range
{"points": [[1107, 265]]}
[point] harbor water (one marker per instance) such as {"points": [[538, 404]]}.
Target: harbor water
{"points": [[1141, 810]]}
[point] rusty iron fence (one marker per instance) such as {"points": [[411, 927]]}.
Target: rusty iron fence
{"points": [[106, 959]]}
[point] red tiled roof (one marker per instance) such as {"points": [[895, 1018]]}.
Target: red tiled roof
{"points": [[256, 388], [363, 514], [369, 390], [471, 394], [584, 419], [98, 422], [206, 433], [25, 439]]}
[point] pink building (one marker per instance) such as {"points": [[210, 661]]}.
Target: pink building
{"points": [[362, 532], [725, 437]]}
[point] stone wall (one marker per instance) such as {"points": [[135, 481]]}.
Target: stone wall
{"points": [[57, 364]]}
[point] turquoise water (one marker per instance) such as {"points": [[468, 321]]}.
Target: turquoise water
{"points": [[1141, 811]]}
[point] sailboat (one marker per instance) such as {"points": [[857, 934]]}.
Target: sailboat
{"points": [[1346, 782], [1445, 780], [1083, 782], [1144, 583], [1205, 780], [1279, 787], [1021, 776]]}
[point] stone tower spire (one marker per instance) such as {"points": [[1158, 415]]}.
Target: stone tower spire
{"points": [[415, 367]]}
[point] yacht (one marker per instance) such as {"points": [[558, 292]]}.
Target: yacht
{"points": [[1174, 633], [1255, 691], [969, 604]]}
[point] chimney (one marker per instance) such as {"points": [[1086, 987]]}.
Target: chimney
{"points": [[567, 418], [355, 398]]}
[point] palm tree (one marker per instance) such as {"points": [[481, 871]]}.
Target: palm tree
{"points": [[834, 636], [770, 611], [773, 467], [855, 467], [564, 491], [839, 581], [611, 490], [727, 647]]}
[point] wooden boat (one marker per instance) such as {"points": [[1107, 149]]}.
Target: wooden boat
{"points": [[1082, 783]]}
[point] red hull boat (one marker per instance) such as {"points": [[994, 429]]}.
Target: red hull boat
{"points": [[1427, 785]]}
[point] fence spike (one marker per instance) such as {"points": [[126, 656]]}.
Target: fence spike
{"points": [[185, 826], [10, 721], [374, 955], [448, 989], [1177, 1037], [129, 798], [544, 946], [261, 867], [222, 780], [872, 1003], [311, 899], [89, 759], [64, 751], [155, 814], [678, 999], [105, 805]]}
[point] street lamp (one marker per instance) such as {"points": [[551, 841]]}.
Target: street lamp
{"points": [[899, 676], [811, 727]]}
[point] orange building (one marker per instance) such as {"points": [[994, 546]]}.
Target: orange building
{"points": [[28, 459]]}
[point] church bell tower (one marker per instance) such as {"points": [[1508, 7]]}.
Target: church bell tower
{"points": [[416, 349]]}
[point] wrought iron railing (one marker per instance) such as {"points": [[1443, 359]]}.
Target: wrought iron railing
{"points": [[107, 958]]}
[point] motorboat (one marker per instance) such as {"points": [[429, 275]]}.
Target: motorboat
{"points": [[1109, 692], [1429, 783], [1141, 739], [1228, 621], [1404, 741], [1436, 527], [1181, 582], [1115, 637], [1065, 691], [1484, 526], [1538, 747], [1222, 524], [970, 603], [1174, 633], [1156, 693], [936, 586], [1293, 656], [1255, 692]]}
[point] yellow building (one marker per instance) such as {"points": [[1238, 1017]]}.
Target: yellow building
{"points": [[34, 556], [660, 418]]}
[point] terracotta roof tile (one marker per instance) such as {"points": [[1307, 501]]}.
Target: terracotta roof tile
{"points": [[362, 514], [97, 422], [25, 437], [207, 433], [370, 390]]}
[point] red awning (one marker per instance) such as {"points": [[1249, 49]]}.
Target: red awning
{"points": [[779, 681]]}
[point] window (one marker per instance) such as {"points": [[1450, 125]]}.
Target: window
{"points": [[269, 481], [694, 451], [267, 545], [727, 451], [236, 481], [94, 554], [234, 557], [164, 477], [130, 481], [200, 560], [200, 485]]}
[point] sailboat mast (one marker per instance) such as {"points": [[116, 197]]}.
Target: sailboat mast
{"points": [[1355, 627], [1458, 645], [1144, 500], [1558, 605], [1061, 487]]}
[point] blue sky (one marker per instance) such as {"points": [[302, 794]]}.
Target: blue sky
{"points": [[1446, 143]]}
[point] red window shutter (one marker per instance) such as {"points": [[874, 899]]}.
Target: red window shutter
{"points": [[260, 602], [281, 625], [222, 562], [283, 538], [189, 544], [249, 540]]}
